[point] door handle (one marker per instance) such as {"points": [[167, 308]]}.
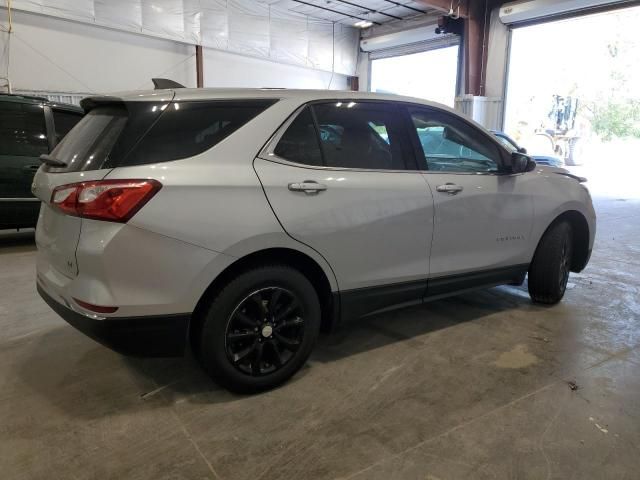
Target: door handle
{"points": [[450, 188], [308, 186], [31, 168]]}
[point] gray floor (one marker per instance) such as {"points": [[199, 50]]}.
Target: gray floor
{"points": [[476, 386]]}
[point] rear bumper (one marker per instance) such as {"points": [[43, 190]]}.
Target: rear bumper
{"points": [[149, 336]]}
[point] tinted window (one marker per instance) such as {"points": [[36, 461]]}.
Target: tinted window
{"points": [[300, 141], [361, 135], [22, 130], [90, 143], [137, 133], [64, 121], [451, 145], [512, 147], [186, 129]]}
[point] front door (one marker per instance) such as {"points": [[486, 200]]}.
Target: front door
{"points": [[483, 217], [342, 180]]}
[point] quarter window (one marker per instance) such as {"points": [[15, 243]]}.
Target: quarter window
{"points": [[186, 129], [450, 145], [300, 142]]}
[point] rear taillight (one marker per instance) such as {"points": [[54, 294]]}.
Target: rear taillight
{"points": [[111, 200]]}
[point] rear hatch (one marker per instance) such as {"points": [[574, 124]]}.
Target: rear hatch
{"points": [[89, 151], [117, 132]]}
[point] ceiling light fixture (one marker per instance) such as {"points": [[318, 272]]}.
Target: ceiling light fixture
{"points": [[363, 24]]}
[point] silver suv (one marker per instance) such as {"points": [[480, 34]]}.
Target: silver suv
{"points": [[245, 221]]}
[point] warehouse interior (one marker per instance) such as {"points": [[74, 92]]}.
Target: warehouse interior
{"points": [[485, 384]]}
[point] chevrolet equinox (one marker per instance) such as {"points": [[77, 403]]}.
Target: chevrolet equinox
{"points": [[245, 221]]}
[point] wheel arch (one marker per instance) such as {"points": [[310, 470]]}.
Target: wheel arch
{"points": [[580, 240], [278, 255]]}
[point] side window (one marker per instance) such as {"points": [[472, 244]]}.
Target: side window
{"points": [[185, 129], [451, 145], [64, 121], [300, 142], [22, 130], [361, 135]]}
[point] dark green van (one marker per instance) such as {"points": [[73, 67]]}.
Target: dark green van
{"points": [[29, 127]]}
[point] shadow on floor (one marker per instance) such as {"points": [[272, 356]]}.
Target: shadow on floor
{"points": [[84, 379], [12, 241]]}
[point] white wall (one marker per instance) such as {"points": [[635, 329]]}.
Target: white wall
{"points": [[267, 29], [497, 56], [55, 55], [363, 71], [498, 45], [49, 54], [223, 69]]}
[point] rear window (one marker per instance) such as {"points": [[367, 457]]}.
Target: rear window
{"points": [[139, 133], [22, 130], [64, 121], [90, 142]]}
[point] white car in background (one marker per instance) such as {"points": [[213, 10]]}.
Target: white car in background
{"points": [[243, 221]]}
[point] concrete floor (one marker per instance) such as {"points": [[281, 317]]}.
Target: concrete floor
{"points": [[476, 386]]}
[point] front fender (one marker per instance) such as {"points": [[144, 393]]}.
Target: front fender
{"points": [[554, 196]]}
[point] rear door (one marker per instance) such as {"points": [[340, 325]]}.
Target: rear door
{"points": [[483, 216], [23, 138], [341, 178]]}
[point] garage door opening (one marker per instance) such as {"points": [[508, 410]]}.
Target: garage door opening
{"points": [[430, 75], [574, 93]]}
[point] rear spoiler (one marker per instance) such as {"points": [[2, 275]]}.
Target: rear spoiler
{"points": [[158, 83], [88, 103]]}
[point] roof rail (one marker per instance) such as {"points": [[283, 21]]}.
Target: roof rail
{"points": [[162, 83]]}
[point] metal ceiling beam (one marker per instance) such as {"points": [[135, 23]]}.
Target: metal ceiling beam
{"points": [[408, 7], [348, 15], [460, 7], [369, 10]]}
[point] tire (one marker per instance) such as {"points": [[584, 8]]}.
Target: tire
{"points": [[574, 156], [549, 270], [260, 329]]}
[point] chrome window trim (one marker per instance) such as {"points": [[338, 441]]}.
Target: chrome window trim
{"points": [[267, 152], [276, 159]]}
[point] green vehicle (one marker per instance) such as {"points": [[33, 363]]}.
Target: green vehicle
{"points": [[29, 127]]}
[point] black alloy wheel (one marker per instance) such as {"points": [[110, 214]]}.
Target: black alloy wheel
{"points": [[259, 329], [264, 331]]}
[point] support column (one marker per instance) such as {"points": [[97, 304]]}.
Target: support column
{"points": [[199, 69]]}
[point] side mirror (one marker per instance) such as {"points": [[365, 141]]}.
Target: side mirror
{"points": [[522, 150], [521, 163]]}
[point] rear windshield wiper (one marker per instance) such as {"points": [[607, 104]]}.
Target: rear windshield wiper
{"points": [[54, 162]]}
